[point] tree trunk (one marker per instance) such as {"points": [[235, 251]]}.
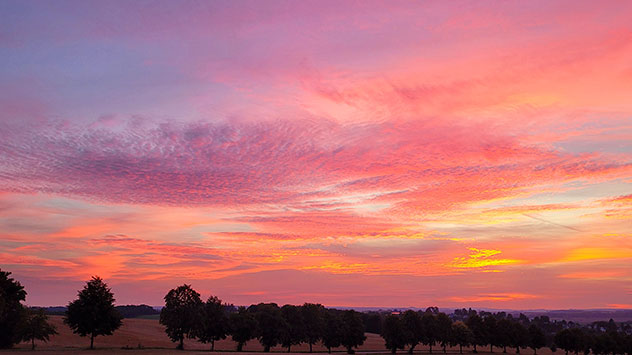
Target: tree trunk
{"points": [[393, 351], [444, 349], [329, 349], [92, 341], [491, 348], [412, 348], [181, 345], [288, 348], [475, 349], [266, 349], [212, 345], [310, 347], [33, 343], [535, 351], [460, 348], [430, 346], [350, 350], [504, 349], [240, 346], [517, 350]]}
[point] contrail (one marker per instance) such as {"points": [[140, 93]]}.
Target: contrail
{"points": [[553, 223]]}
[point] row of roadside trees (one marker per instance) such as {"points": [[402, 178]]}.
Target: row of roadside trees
{"points": [[468, 328], [185, 315], [434, 328]]}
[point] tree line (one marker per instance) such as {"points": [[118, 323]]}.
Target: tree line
{"points": [[469, 328], [186, 315]]}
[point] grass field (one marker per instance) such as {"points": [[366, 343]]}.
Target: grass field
{"points": [[151, 338]]}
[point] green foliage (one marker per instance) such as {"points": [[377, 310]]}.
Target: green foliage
{"points": [[12, 311], [36, 327], [332, 335], [243, 325], [213, 323], [352, 334], [393, 333], [93, 312], [181, 314]]}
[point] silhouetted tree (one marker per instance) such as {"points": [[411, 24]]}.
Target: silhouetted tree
{"points": [[295, 326], [314, 323], [135, 311], [537, 339], [413, 329], [603, 344], [93, 312], [432, 310], [352, 334], [491, 332], [270, 324], [461, 335], [444, 329], [332, 334], [475, 323], [36, 327], [519, 336], [429, 325], [12, 311], [181, 314], [569, 340], [504, 332], [372, 322], [243, 325], [213, 323], [393, 333]]}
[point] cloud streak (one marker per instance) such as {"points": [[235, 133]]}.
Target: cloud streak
{"points": [[320, 151]]}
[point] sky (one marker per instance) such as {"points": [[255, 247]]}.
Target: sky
{"points": [[349, 153]]}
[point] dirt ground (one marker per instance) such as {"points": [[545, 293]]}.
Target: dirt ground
{"points": [[147, 336]]}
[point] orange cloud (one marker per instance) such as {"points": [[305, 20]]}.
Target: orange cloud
{"points": [[592, 275], [597, 253], [495, 297], [481, 258], [620, 305]]}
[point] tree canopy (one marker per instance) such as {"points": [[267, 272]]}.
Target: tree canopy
{"points": [[393, 333], [243, 325], [352, 334], [11, 310], [213, 324], [36, 327], [93, 312], [181, 313]]}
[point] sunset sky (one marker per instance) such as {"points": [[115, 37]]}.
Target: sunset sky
{"points": [[351, 153]]}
